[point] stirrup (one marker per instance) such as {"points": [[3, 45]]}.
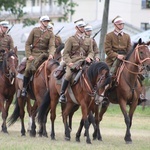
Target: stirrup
{"points": [[62, 99]]}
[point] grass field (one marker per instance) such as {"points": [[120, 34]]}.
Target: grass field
{"points": [[112, 130]]}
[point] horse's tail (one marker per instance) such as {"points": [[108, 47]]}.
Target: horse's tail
{"points": [[44, 107], [15, 115]]}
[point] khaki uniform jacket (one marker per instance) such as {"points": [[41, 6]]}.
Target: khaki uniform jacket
{"points": [[46, 44], [95, 49], [75, 50], [6, 42], [115, 43]]}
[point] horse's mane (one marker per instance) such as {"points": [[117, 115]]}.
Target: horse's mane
{"points": [[6, 55], [94, 69]]}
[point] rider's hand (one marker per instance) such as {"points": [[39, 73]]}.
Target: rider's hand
{"points": [[50, 57], [71, 64], [121, 57], [88, 59], [30, 57]]}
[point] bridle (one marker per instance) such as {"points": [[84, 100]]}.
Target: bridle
{"points": [[139, 61], [10, 67]]}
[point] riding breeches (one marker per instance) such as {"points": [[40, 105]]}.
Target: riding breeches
{"points": [[68, 74]]}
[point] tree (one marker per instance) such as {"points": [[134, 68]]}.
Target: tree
{"points": [[15, 7], [68, 8]]}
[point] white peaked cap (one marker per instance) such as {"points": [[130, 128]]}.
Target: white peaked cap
{"points": [[88, 28], [45, 18], [118, 20], [80, 23], [4, 23]]}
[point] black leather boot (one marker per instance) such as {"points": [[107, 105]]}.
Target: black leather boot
{"points": [[25, 84], [62, 98]]}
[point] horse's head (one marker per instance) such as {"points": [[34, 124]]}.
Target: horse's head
{"points": [[143, 55], [10, 64], [98, 74]]}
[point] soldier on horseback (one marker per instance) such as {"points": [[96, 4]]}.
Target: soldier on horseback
{"points": [[117, 44], [88, 32], [39, 45], [77, 48], [6, 41]]}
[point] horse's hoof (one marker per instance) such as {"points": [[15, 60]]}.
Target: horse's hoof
{"points": [[77, 139], [53, 138], [88, 141], [23, 135], [129, 142], [100, 139], [67, 138]]}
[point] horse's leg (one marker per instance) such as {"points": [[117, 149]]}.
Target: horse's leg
{"points": [[33, 126], [29, 109], [75, 108], [5, 114], [21, 103], [91, 121], [2, 109], [78, 134], [102, 112], [86, 122], [96, 133], [127, 137], [44, 133], [66, 112], [53, 104]]}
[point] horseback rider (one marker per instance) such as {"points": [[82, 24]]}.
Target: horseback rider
{"points": [[39, 45], [6, 41], [77, 48], [88, 32], [116, 45]]}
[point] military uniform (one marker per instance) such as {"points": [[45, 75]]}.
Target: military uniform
{"points": [[116, 44], [76, 50], [45, 46], [6, 42]]}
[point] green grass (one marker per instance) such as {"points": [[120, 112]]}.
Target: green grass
{"points": [[112, 130]]}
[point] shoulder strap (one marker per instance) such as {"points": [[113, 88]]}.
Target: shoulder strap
{"points": [[39, 39]]}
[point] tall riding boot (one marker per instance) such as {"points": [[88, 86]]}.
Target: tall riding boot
{"points": [[62, 98], [25, 84]]}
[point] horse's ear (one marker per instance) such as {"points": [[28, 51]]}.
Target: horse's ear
{"points": [[140, 41]]}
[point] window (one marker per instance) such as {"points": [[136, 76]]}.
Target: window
{"points": [[145, 4], [145, 26]]}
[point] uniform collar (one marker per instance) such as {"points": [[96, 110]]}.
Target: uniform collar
{"points": [[118, 33], [80, 36]]}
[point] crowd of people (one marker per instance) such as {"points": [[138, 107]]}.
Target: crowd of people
{"points": [[79, 47]]}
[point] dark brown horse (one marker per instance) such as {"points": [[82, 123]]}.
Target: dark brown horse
{"points": [[36, 92], [128, 88], [7, 83], [91, 82]]}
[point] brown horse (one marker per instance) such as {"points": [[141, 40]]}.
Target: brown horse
{"points": [[92, 80], [36, 91], [7, 86], [128, 88]]}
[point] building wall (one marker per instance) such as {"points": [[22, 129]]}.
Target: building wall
{"points": [[130, 10]]}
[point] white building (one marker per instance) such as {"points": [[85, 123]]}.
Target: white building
{"points": [[135, 12]]}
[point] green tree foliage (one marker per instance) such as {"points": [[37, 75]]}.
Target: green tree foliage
{"points": [[68, 8], [13, 6]]}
